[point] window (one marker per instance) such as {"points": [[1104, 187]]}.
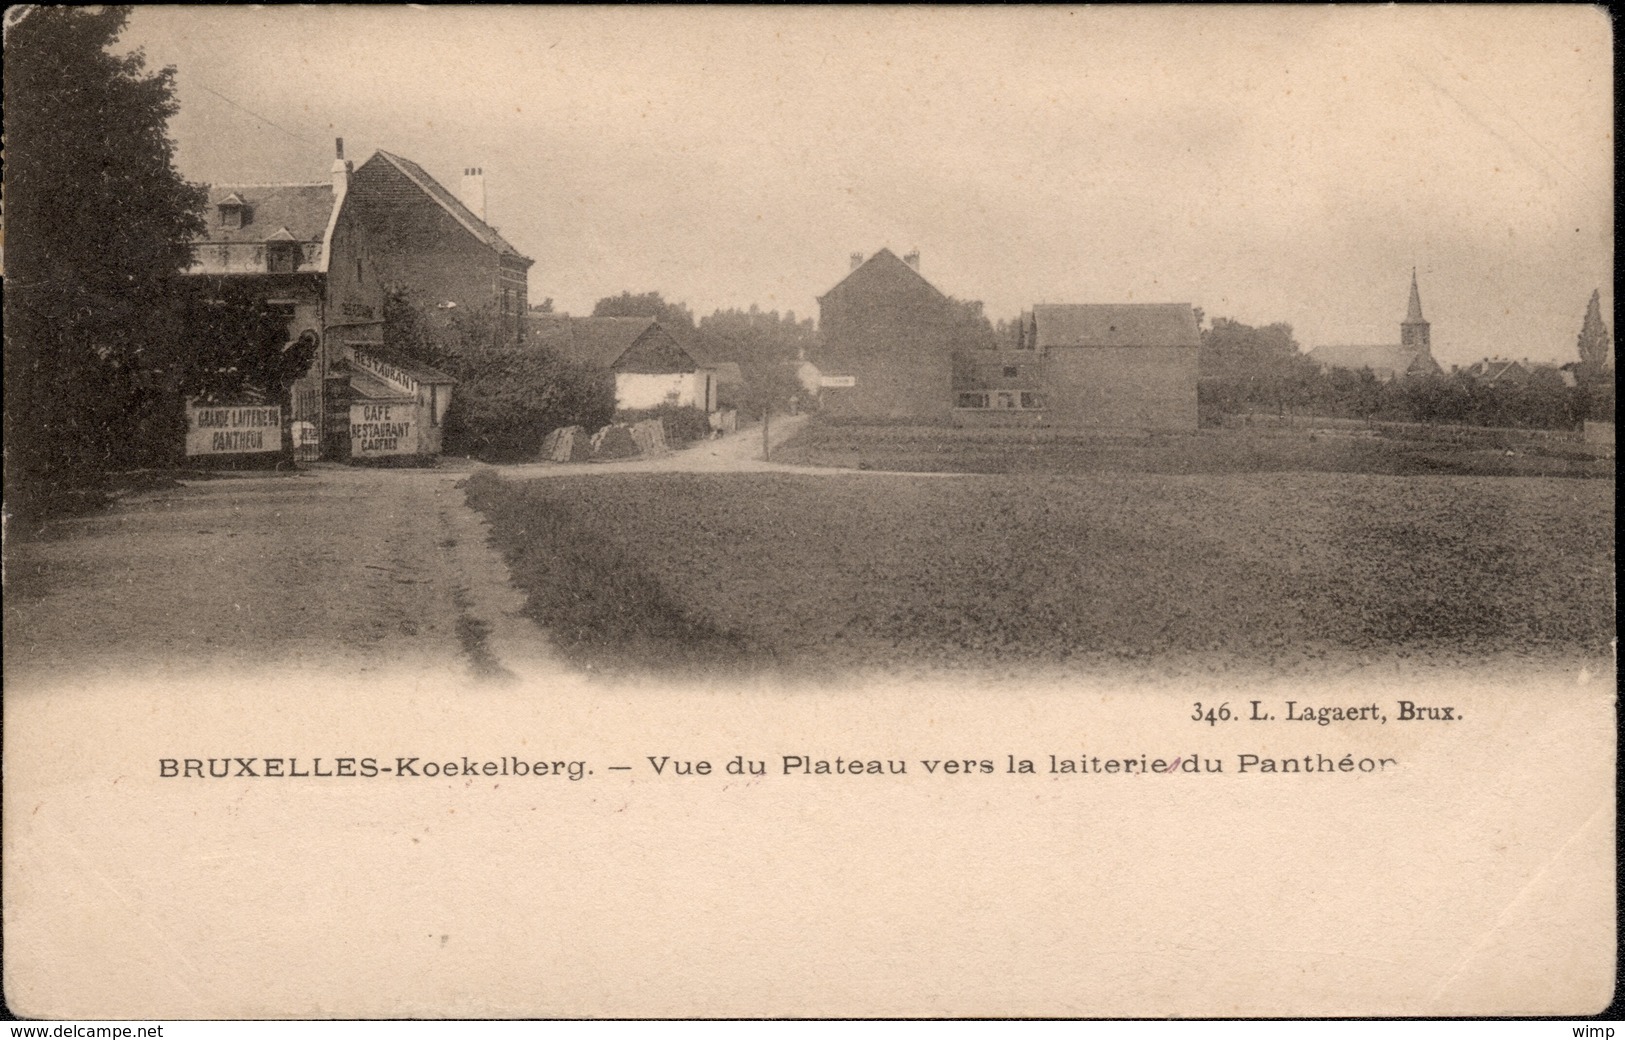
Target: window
{"points": [[282, 257], [233, 212], [1010, 371], [1000, 400], [434, 405]]}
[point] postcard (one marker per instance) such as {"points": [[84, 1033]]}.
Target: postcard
{"points": [[900, 512]]}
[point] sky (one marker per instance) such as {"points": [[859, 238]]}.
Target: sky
{"points": [[1265, 164]]}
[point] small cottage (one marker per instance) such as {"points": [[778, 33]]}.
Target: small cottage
{"points": [[652, 367]]}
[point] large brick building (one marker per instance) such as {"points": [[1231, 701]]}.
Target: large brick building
{"points": [[311, 253], [1123, 365], [886, 342], [435, 247]]}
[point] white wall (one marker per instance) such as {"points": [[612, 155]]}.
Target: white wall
{"points": [[647, 390]]}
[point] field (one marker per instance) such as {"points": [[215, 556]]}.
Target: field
{"points": [[1337, 448], [815, 574]]}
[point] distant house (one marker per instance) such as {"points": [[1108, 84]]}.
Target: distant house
{"points": [[437, 247], [1130, 365], [300, 249], [886, 340], [651, 366], [1411, 356], [1504, 371]]}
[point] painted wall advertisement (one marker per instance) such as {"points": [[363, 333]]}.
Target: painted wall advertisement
{"points": [[383, 429], [233, 429]]}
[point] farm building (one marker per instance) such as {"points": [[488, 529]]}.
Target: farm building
{"points": [[651, 366], [1411, 356], [1123, 365], [438, 247], [886, 341]]}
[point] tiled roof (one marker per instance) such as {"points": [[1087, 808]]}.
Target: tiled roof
{"points": [[591, 341], [1491, 369], [1383, 359], [1116, 325], [302, 210], [463, 215]]}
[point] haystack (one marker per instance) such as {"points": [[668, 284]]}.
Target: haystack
{"points": [[614, 442]]}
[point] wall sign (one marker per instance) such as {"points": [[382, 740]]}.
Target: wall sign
{"points": [[383, 429], [233, 429]]}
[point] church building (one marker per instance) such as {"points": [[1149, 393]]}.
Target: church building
{"points": [[1411, 356]]}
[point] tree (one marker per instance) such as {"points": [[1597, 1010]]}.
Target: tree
{"points": [[674, 316], [1593, 343], [508, 397], [98, 221]]}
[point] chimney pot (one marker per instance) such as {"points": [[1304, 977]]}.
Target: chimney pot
{"points": [[857, 261], [338, 147], [913, 259], [473, 193]]}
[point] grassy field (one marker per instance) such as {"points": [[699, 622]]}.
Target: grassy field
{"points": [[820, 574], [937, 449]]}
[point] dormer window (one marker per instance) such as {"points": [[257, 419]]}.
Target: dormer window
{"points": [[233, 212], [282, 253]]}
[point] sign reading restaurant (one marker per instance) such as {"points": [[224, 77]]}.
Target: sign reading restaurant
{"points": [[392, 374], [233, 429]]}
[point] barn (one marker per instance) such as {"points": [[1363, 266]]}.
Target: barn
{"points": [[1124, 365]]}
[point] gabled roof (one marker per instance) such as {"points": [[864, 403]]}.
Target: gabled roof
{"points": [[1491, 369], [300, 210], [450, 203], [598, 342], [1116, 325], [885, 258]]}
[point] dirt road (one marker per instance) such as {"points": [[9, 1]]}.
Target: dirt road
{"points": [[331, 568]]}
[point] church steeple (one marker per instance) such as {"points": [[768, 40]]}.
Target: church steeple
{"points": [[1414, 331]]}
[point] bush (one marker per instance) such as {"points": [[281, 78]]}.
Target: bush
{"points": [[684, 424], [508, 397]]}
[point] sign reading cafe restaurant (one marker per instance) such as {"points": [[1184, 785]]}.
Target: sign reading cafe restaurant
{"points": [[396, 407]]}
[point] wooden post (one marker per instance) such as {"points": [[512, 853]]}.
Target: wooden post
{"points": [[766, 444]]}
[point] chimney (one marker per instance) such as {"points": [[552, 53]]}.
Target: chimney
{"points": [[857, 261], [913, 259], [341, 170], [473, 192]]}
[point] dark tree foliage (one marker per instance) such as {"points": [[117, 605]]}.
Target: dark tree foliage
{"points": [[1593, 341], [97, 222], [755, 336], [971, 329], [508, 396], [766, 346], [674, 316]]}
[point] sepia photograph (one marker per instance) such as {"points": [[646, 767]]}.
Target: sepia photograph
{"points": [[702, 512]]}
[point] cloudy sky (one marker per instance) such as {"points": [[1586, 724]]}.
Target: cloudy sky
{"points": [[1264, 164]]}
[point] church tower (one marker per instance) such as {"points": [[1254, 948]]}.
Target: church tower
{"points": [[1413, 331]]}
